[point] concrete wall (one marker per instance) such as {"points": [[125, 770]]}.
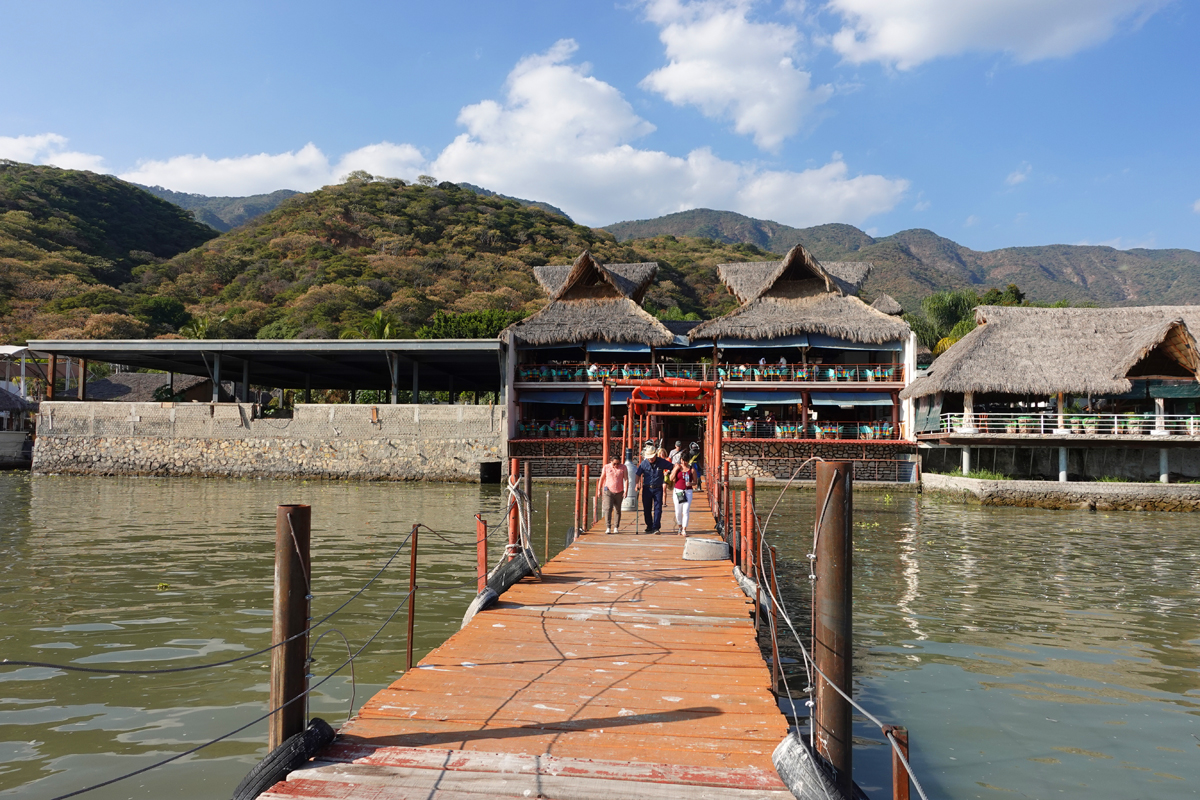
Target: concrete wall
{"points": [[1083, 463], [1081, 495], [406, 442]]}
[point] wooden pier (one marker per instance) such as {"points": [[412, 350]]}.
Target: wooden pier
{"points": [[625, 672]]}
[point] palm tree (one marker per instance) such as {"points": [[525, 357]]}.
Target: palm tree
{"points": [[380, 326], [203, 327]]}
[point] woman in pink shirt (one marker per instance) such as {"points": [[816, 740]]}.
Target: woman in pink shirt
{"points": [[612, 483]]}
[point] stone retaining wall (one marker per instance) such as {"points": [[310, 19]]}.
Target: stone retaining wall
{"points": [[387, 442], [1047, 494]]}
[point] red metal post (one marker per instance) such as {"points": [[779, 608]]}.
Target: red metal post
{"points": [[607, 424], [480, 553], [578, 490], [751, 531], [900, 781], [832, 616], [776, 668], [587, 493], [514, 515], [412, 592]]}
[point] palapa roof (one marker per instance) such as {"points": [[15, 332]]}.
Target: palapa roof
{"points": [[888, 305], [136, 387], [1043, 351], [592, 302], [800, 295], [13, 402]]}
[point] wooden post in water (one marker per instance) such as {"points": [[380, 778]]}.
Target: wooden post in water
{"points": [[289, 669], [412, 592], [900, 782], [514, 515], [480, 553], [832, 617], [528, 482]]}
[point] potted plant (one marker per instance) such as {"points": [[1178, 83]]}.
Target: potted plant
{"points": [[1193, 426], [1091, 426], [1075, 423], [1010, 425]]}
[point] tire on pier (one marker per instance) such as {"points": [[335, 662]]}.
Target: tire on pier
{"points": [[283, 759]]}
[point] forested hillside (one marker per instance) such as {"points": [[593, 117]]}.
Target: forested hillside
{"points": [[911, 264], [222, 213], [324, 263]]}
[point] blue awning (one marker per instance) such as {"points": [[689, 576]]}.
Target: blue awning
{"points": [[819, 340], [618, 347], [620, 397], [746, 344], [731, 398], [558, 398], [850, 399]]}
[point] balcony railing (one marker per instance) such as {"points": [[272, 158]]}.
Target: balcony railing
{"points": [[737, 429], [778, 373], [1047, 424]]}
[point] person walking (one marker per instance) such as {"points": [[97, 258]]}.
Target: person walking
{"points": [[693, 458], [681, 479], [613, 480], [676, 454], [650, 475]]}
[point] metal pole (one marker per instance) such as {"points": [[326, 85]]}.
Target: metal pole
{"points": [[578, 478], [245, 381], [416, 390], [81, 384], [900, 782], [51, 374], [832, 616], [289, 679], [607, 424], [587, 491], [412, 593], [751, 530], [546, 547], [528, 480], [216, 378], [514, 515], [480, 553], [776, 668]]}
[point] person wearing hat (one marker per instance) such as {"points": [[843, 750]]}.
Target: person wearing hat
{"points": [[677, 453], [649, 475], [693, 458]]}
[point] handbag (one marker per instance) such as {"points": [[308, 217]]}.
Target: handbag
{"points": [[680, 496]]}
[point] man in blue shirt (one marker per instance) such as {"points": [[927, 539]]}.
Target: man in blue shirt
{"points": [[650, 474]]}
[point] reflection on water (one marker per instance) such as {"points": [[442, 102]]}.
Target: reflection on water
{"points": [[1031, 653]]}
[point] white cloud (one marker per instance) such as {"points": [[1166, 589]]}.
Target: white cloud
{"points": [[304, 169], [905, 33], [48, 148], [1148, 241], [731, 68], [972, 221], [563, 136], [1196, 206], [1020, 175]]}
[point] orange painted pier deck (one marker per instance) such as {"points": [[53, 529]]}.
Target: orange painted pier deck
{"points": [[626, 672]]}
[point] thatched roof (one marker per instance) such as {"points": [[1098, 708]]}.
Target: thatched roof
{"points": [[136, 387], [593, 302], [888, 305], [630, 280], [1043, 351], [13, 403], [799, 295]]}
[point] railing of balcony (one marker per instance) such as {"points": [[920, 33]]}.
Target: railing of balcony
{"points": [[1046, 424], [757, 429], [779, 373]]}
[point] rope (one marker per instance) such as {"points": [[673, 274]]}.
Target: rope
{"points": [[169, 670], [252, 722], [810, 664], [353, 677]]}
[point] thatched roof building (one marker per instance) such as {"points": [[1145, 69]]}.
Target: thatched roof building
{"points": [[888, 305], [1044, 351], [592, 302], [13, 403], [800, 295]]}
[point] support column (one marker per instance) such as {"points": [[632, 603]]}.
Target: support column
{"points": [[24, 394], [966, 461], [394, 374], [1062, 465], [51, 375], [307, 388], [81, 387], [1061, 429], [416, 390], [896, 414], [450, 380], [968, 413], [216, 379], [245, 381], [1160, 418], [804, 401], [607, 424], [1164, 474]]}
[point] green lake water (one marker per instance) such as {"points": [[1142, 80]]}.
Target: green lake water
{"points": [[1030, 653]]}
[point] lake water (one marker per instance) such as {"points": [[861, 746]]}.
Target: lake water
{"points": [[1030, 653]]}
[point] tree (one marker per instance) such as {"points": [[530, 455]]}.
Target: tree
{"points": [[471, 325], [161, 312], [379, 326], [204, 327]]}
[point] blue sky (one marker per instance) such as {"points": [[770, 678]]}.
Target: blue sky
{"points": [[992, 122]]}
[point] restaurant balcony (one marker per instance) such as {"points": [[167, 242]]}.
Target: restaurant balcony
{"points": [[790, 375], [1041, 426]]}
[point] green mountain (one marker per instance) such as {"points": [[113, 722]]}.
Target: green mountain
{"points": [[66, 235], [535, 203], [913, 263], [222, 213]]}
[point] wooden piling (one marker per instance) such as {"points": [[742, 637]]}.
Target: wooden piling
{"points": [[528, 481], [900, 780], [514, 514], [412, 593], [832, 617], [289, 667], [480, 553]]}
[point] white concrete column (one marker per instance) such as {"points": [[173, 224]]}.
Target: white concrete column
{"points": [[1164, 474], [24, 393], [416, 390], [394, 374], [245, 381], [966, 461], [1062, 465], [1160, 418]]}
